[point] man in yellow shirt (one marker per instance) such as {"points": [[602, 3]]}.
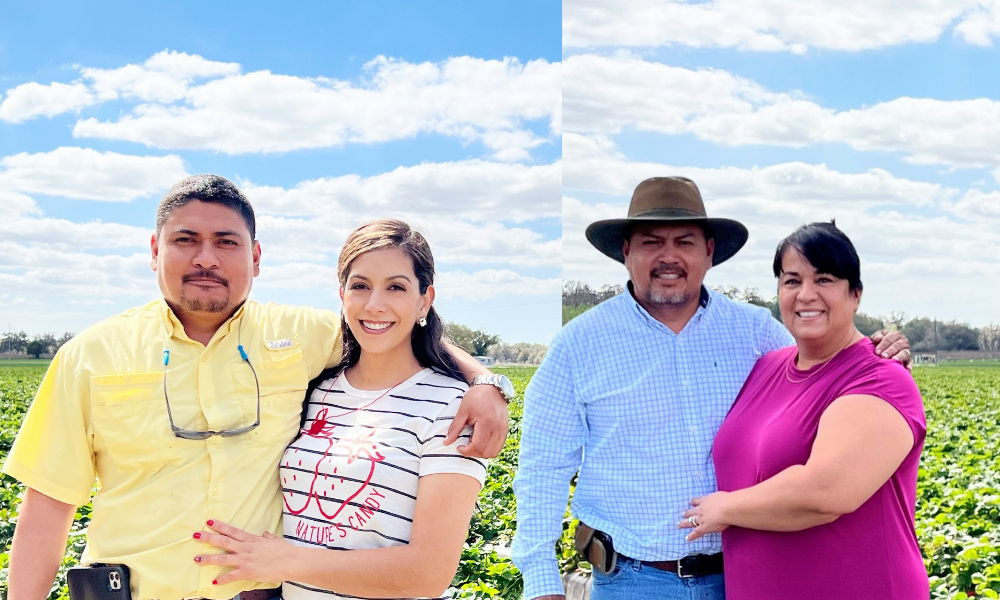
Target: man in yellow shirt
{"points": [[181, 409]]}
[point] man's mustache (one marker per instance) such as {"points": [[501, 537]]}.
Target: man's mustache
{"points": [[205, 274], [668, 270]]}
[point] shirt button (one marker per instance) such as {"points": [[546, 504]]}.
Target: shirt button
{"points": [[204, 357], [215, 491], [206, 592], [208, 404], [216, 443]]}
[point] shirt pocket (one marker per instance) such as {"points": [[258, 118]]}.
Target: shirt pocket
{"points": [[617, 421], [282, 377], [131, 427]]}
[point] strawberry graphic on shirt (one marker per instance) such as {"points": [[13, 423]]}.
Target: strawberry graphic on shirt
{"points": [[326, 480]]}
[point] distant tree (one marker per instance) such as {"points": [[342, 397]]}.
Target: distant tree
{"points": [[36, 348], [521, 352], [989, 338], [867, 324], [926, 335], [577, 293], [62, 340], [751, 295], [460, 335], [957, 336], [49, 341], [474, 341], [920, 332], [15, 342]]}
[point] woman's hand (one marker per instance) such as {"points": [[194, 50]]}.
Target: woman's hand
{"points": [[708, 512], [251, 557]]}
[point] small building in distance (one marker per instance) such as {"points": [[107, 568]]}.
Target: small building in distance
{"points": [[486, 361]]}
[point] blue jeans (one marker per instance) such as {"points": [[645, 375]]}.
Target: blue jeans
{"points": [[632, 580]]}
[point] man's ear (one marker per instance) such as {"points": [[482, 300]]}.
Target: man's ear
{"points": [[256, 258], [154, 250], [625, 248], [710, 244]]}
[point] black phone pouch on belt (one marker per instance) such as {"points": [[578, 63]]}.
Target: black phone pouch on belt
{"points": [[596, 548], [99, 582]]}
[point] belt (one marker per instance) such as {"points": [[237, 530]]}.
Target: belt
{"points": [[696, 565], [266, 594], [258, 594]]}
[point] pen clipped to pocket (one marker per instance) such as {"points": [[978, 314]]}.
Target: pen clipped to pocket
{"points": [[99, 582]]}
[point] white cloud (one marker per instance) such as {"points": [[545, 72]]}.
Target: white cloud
{"points": [[604, 95], [796, 183], [977, 205], [164, 77], [32, 100], [13, 204], [73, 274], [476, 190], [65, 235], [469, 98], [490, 283], [88, 174], [776, 25]]}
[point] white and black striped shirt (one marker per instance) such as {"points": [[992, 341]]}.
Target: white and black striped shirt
{"points": [[350, 480]]}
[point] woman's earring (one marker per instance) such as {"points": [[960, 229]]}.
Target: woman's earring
{"points": [[422, 321]]}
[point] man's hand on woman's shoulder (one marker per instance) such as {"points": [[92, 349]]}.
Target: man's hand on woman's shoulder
{"points": [[485, 409], [894, 345]]}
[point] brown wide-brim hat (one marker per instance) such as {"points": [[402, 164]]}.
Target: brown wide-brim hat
{"points": [[667, 200]]}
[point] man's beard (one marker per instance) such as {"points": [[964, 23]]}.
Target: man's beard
{"points": [[210, 306], [672, 298]]}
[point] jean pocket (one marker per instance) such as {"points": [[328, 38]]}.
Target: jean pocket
{"points": [[622, 565]]}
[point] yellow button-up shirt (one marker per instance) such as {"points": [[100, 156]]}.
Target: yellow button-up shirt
{"points": [[100, 412]]}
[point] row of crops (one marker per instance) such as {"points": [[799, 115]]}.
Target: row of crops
{"points": [[958, 513]]}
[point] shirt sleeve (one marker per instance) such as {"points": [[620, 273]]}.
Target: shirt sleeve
{"points": [[53, 452], [890, 382], [774, 336], [321, 340], [435, 457], [551, 450]]}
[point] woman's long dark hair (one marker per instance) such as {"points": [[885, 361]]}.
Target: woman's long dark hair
{"points": [[427, 341]]}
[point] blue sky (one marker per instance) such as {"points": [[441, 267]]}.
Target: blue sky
{"points": [[882, 115], [446, 114]]}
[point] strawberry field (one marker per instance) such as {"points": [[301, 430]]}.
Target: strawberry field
{"points": [[958, 515]]}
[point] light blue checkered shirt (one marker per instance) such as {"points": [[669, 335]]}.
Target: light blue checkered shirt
{"points": [[634, 408]]}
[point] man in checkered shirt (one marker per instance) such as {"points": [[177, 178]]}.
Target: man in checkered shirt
{"points": [[630, 396]]}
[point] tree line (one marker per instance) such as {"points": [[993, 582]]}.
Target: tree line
{"points": [[474, 341], [925, 335], [18, 342], [481, 343]]}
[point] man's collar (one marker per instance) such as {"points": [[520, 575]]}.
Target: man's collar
{"points": [[173, 323], [704, 301]]}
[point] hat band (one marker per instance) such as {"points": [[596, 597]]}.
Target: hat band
{"points": [[669, 214]]}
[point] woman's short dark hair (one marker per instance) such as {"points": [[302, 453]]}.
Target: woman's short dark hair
{"points": [[827, 249], [206, 188], [427, 341]]}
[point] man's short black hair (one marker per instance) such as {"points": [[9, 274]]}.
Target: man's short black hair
{"points": [[207, 188], [827, 249]]}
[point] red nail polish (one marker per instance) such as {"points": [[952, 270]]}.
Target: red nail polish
{"points": [[214, 582], [197, 559], [211, 522], [197, 535]]}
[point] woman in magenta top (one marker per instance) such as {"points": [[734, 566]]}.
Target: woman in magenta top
{"points": [[817, 460]]}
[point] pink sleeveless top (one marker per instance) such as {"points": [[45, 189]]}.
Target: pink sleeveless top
{"points": [[870, 553]]}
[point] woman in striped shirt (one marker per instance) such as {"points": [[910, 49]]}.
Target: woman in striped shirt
{"points": [[369, 472]]}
